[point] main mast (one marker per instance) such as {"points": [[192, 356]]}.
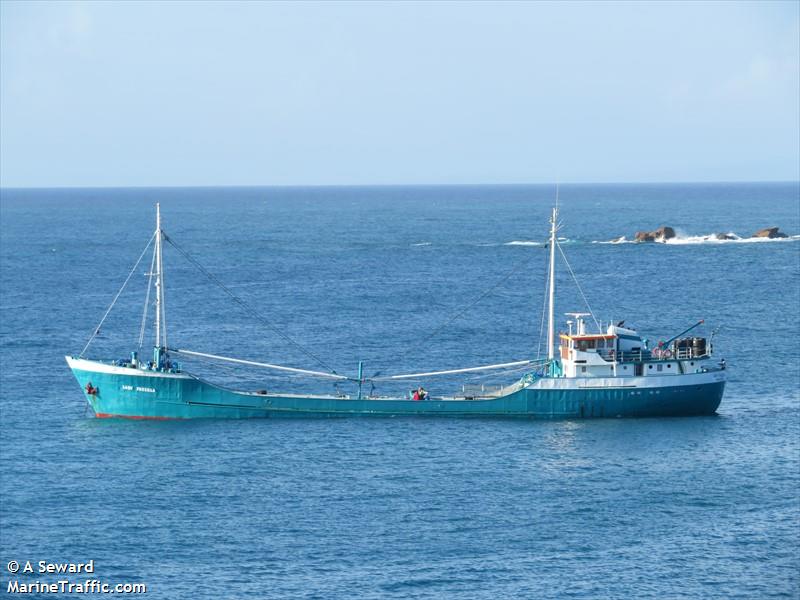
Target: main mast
{"points": [[552, 286]]}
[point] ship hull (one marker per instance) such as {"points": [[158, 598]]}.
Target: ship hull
{"points": [[132, 393]]}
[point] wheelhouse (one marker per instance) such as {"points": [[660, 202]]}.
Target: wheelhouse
{"points": [[620, 351]]}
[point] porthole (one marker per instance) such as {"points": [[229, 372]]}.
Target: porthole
{"points": [[669, 366], [649, 366]]}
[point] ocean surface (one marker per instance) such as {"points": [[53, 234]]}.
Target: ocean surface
{"points": [[402, 278]]}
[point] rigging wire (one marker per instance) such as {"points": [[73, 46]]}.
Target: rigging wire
{"points": [[503, 373], [252, 363], [146, 302], [236, 369], [114, 301], [162, 289], [451, 371], [578, 285], [249, 309], [544, 305], [239, 361], [492, 289], [473, 373]]}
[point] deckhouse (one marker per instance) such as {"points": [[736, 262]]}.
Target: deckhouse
{"points": [[620, 352]]}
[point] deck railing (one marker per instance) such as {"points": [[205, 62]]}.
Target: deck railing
{"points": [[648, 355]]}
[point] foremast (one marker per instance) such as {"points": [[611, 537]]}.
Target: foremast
{"points": [[160, 320]]}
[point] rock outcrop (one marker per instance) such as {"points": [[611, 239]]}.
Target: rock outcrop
{"points": [[769, 232], [662, 234], [724, 236]]}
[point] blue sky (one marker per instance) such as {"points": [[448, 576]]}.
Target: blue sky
{"points": [[152, 94]]}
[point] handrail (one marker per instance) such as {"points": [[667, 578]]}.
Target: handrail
{"points": [[648, 355]]}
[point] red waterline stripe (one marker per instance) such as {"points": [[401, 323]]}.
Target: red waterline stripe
{"points": [[135, 417]]}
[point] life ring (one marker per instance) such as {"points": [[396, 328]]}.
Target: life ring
{"points": [[666, 354]]}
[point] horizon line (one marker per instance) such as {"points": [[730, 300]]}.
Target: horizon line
{"points": [[385, 185]]}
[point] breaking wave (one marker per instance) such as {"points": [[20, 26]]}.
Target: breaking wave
{"points": [[711, 238], [730, 238]]}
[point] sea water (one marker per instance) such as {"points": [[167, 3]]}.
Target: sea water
{"points": [[405, 279]]}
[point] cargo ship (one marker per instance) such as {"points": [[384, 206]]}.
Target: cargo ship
{"points": [[610, 372]]}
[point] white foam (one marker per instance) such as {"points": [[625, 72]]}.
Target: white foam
{"points": [[523, 243], [683, 239], [734, 239], [619, 240], [422, 244]]}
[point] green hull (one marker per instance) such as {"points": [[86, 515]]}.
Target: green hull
{"points": [[137, 394]]}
